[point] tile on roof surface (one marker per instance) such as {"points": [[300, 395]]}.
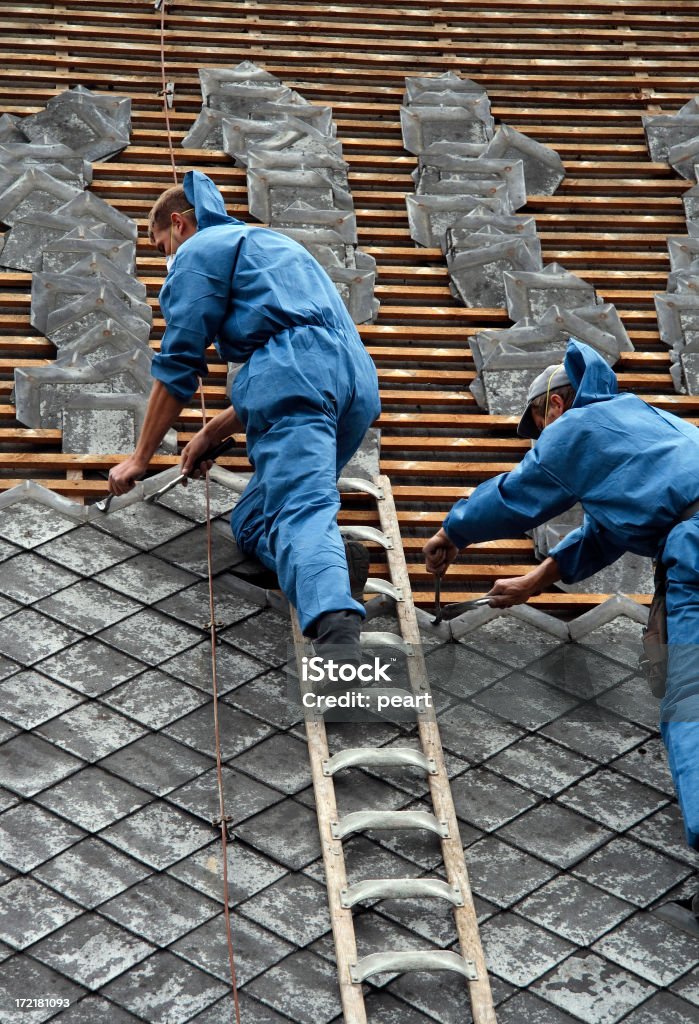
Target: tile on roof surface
{"points": [[32, 192], [95, 130], [93, 833]]}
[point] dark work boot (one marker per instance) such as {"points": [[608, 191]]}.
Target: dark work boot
{"points": [[337, 635], [358, 567], [337, 642]]}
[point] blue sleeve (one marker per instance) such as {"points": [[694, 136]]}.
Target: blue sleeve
{"points": [[585, 551], [509, 504], [194, 303]]}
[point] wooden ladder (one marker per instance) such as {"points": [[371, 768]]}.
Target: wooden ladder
{"points": [[352, 970]]}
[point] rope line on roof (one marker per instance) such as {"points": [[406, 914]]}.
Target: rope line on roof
{"points": [[222, 818]]}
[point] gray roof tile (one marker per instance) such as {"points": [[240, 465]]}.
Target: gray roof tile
{"points": [[93, 799], [88, 606], [91, 731], [632, 871], [23, 974], [502, 874], [29, 764], [165, 990], [194, 665], [248, 871], [90, 950], [27, 577], [154, 699], [158, 834], [651, 948], [91, 667], [303, 986], [157, 763], [243, 796], [238, 731], [519, 951], [256, 949], [160, 909], [574, 909], [86, 550], [556, 834], [91, 872], [27, 637], [29, 698], [32, 911], [613, 799], [150, 636], [294, 907], [592, 989]]}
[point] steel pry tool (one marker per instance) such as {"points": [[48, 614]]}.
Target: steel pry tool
{"points": [[209, 455], [451, 611]]}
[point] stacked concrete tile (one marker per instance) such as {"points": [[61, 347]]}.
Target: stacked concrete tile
{"points": [[675, 138], [470, 181], [297, 179], [469, 184], [82, 253]]}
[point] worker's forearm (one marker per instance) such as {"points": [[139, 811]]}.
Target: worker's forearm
{"points": [[545, 574], [222, 426], [161, 413]]}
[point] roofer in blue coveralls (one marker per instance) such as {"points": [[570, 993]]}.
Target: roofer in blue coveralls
{"points": [[635, 469], [306, 395]]}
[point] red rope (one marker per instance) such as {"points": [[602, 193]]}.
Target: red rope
{"points": [[163, 78], [217, 734]]}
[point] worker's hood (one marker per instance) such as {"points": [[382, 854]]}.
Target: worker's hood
{"points": [[206, 199], [590, 374]]}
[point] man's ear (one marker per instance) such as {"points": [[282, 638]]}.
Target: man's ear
{"points": [[557, 404]]}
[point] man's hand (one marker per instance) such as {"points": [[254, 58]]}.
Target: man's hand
{"points": [[192, 453], [506, 593], [439, 553], [123, 477]]}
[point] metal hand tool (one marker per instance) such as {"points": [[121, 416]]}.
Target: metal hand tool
{"points": [[451, 611], [208, 456]]}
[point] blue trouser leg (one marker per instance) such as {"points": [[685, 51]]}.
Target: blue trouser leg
{"points": [[680, 707], [306, 406]]}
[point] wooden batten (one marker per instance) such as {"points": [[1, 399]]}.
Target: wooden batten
{"points": [[576, 78]]}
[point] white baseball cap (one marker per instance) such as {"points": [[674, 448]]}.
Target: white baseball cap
{"points": [[552, 377]]}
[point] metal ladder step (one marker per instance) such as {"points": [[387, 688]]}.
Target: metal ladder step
{"points": [[412, 960], [401, 888], [386, 757], [367, 533], [360, 821]]}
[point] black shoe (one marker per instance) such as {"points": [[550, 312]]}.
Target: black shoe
{"points": [[256, 573], [358, 567]]}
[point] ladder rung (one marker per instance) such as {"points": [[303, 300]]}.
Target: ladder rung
{"points": [[367, 533], [358, 821], [382, 639], [356, 483], [412, 960], [379, 586], [401, 888], [385, 757]]}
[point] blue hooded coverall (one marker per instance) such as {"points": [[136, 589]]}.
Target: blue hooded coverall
{"points": [[306, 395], [635, 469]]}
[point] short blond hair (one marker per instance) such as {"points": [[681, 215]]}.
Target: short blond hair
{"points": [[172, 200]]}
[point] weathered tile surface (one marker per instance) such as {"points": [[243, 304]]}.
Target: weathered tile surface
{"points": [[109, 794]]}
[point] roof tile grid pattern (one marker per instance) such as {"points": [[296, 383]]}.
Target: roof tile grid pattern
{"points": [[112, 869]]}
